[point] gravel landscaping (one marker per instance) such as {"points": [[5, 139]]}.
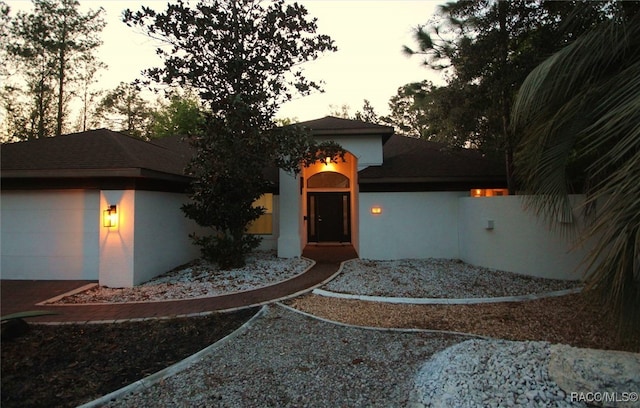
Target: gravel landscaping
{"points": [[490, 374], [200, 279], [436, 278], [287, 359]]}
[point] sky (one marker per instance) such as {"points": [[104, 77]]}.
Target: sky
{"points": [[369, 63]]}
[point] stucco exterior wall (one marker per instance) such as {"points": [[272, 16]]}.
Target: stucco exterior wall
{"points": [[290, 217], [152, 237], [519, 241], [366, 148], [49, 234], [161, 234], [411, 225]]}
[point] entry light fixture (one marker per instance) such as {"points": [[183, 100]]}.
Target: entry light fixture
{"points": [[110, 217], [376, 210]]}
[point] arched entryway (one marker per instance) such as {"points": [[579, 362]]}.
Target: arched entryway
{"points": [[329, 201]]}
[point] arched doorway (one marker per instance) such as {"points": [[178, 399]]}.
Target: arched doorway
{"points": [[329, 201], [328, 212]]}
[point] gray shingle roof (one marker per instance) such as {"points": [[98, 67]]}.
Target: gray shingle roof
{"points": [[94, 153], [331, 125], [409, 160], [106, 154]]}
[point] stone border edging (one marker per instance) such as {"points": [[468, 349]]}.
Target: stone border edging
{"points": [[175, 368], [444, 301], [390, 329]]}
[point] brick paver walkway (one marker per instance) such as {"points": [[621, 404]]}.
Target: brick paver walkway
{"points": [[22, 295]]}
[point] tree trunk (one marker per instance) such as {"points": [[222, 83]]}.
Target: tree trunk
{"points": [[61, 76]]}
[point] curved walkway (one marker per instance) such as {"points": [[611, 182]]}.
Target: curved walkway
{"points": [[20, 296]]}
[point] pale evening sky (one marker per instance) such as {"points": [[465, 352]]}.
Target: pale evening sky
{"points": [[369, 63]]}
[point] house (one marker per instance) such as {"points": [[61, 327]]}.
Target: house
{"points": [[99, 205]]}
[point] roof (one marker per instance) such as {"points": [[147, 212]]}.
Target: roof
{"points": [[94, 154], [79, 159], [331, 125], [411, 160]]}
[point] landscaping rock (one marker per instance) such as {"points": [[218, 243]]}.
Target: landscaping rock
{"points": [[599, 377]]}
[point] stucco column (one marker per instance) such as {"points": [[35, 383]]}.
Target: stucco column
{"points": [[290, 239], [116, 266]]}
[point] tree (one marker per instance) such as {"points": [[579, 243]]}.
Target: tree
{"points": [[46, 46], [487, 49], [87, 78], [367, 114], [125, 110], [579, 119], [243, 59], [182, 115]]}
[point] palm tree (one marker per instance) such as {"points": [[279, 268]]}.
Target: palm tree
{"points": [[578, 114]]}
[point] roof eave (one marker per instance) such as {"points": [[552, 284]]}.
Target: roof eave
{"points": [[92, 173]]}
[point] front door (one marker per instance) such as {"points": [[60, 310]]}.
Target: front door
{"points": [[328, 216]]}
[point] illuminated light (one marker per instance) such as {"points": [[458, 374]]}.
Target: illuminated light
{"points": [[110, 217], [476, 192], [327, 161], [376, 210]]}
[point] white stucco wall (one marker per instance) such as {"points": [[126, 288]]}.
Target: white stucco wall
{"points": [[519, 242], [49, 234], [117, 244], [412, 225], [161, 234], [152, 237], [366, 148], [290, 217]]}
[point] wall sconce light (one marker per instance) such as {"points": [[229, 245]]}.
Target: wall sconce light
{"points": [[376, 210], [110, 217]]}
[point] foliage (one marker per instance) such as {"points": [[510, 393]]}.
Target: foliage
{"points": [[180, 116], [579, 118], [45, 47], [367, 114], [243, 59], [125, 110], [486, 49]]}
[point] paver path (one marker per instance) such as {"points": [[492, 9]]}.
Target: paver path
{"points": [[23, 295]]}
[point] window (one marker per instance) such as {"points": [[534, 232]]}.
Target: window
{"points": [[328, 179], [489, 192], [264, 224]]}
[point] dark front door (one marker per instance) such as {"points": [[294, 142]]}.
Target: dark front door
{"points": [[328, 215]]}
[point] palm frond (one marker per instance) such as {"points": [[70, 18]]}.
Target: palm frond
{"points": [[580, 110]]}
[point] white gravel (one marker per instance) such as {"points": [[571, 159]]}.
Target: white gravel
{"points": [[490, 373], [290, 360], [436, 278], [200, 279]]}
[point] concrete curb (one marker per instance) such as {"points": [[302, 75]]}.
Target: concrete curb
{"points": [[175, 368], [438, 301]]}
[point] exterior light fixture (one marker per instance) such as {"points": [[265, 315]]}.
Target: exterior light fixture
{"points": [[110, 217], [327, 161], [376, 210]]}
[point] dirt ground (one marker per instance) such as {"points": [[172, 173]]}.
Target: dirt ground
{"points": [[68, 365]]}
